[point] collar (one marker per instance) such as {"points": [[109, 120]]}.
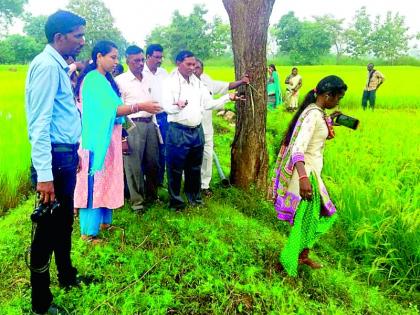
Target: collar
{"points": [[132, 77], [50, 50], [193, 78]]}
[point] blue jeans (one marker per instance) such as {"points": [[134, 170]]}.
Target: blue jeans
{"points": [[53, 233], [369, 96]]}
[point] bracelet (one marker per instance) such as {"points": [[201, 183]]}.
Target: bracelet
{"points": [[303, 176], [131, 108]]}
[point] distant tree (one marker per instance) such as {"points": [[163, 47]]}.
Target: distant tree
{"points": [[220, 37], [160, 35], [191, 32], [418, 36], [100, 24], [390, 38], [18, 49], [35, 27], [8, 10], [334, 27], [358, 36], [194, 33], [305, 41], [286, 31]]}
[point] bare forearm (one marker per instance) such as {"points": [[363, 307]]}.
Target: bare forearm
{"points": [[300, 167], [124, 110], [234, 85], [150, 107]]}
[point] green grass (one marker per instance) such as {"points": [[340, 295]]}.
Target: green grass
{"points": [[398, 91], [221, 258], [14, 144]]}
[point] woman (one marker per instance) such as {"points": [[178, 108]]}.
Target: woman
{"points": [[273, 88], [300, 196], [100, 185], [293, 84]]}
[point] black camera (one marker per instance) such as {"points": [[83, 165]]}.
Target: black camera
{"points": [[43, 210]]}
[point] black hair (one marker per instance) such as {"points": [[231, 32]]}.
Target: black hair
{"points": [[294, 68], [62, 22], [152, 48], [183, 54], [102, 47], [331, 84], [119, 68], [273, 66], [200, 62], [133, 50]]}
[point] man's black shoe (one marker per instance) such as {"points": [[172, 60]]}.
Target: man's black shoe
{"points": [[52, 310], [86, 280], [178, 207]]}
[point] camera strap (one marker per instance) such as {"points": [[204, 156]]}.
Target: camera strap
{"points": [[28, 251]]}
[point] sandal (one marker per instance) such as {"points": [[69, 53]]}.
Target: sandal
{"points": [[91, 239], [108, 227]]}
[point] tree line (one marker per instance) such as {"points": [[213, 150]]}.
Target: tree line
{"points": [[303, 41]]}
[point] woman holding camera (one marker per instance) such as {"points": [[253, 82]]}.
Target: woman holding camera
{"points": [[299, 194], [100, 183]]}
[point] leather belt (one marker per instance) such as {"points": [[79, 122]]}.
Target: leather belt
{"points": [[142, 119]]}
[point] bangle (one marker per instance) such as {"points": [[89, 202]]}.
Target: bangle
{"points": [[303, 176]]}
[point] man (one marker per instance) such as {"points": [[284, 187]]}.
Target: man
{"points": [[184, 99], [374, 81], [214, 87], [54, 129], [155, 74], [142, 164]]}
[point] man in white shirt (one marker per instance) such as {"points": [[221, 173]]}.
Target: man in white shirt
{"points": [[155, 74], [142, 164], [214, 87], [185, 99]]}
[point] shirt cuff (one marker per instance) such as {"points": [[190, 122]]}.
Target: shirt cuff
{"points": [[44, 175], [298, 157], [225, 98]]}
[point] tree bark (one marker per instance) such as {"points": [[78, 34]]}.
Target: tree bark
{"points": [[249, 20]]}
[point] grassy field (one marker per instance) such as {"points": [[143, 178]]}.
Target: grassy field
{"points": [[14, 144], [221, 258]]}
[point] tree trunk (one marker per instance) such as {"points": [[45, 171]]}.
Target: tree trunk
{"points": [[249, 20]]}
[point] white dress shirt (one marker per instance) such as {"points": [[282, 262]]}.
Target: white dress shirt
{"points": [[195, 92], [215, 87], [156, 81], [134, 91]]}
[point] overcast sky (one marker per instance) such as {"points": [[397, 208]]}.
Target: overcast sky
{"points": [[136, 18]]}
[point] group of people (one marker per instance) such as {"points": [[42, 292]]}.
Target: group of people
{"points": [[168, 124], [293, 84]]}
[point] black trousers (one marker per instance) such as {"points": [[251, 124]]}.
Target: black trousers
{"points": [[53, 233], [369, 96], [184, 153]]}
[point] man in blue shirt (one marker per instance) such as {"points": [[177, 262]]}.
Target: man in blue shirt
{"points": [[54, 128]]}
